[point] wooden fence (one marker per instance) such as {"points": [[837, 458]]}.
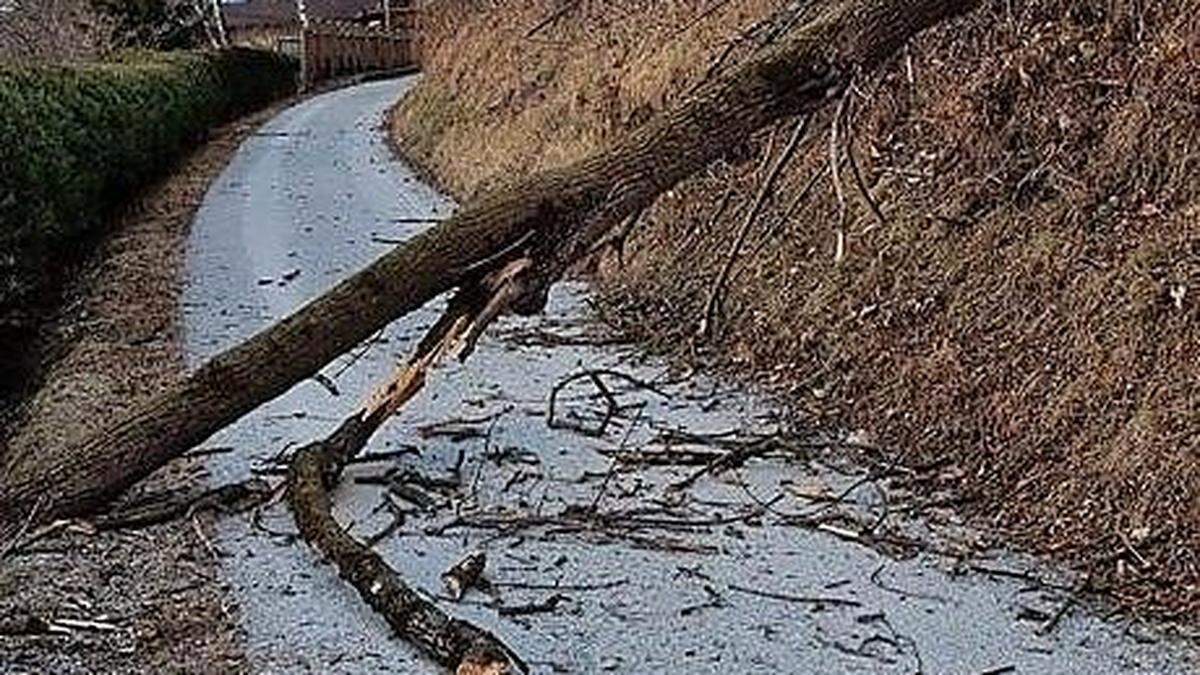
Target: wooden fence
{"points": [[329, 49], [338, 49]]}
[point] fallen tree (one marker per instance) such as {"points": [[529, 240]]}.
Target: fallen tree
{"points": [[501, 253], [549, 221]]}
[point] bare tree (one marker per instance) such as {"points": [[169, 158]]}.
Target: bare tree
{"points": [[302, 15], [45, 30], [159, 24], [210, 16], [218, 19]]}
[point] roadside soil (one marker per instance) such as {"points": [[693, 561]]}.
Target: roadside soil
{"points": [[114, 342]]}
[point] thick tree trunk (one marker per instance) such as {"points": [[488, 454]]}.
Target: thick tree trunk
{"points": [[553, 218]]}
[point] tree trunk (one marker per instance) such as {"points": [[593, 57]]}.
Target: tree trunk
{"points": [[553, 217], [218, 19]]}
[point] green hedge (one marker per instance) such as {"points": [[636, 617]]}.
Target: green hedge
{"points": [[76, 141]]}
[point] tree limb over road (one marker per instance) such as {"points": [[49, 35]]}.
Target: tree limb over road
{"points": [[551, 219]]}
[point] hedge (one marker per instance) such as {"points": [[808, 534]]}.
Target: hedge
{"points": [[78, 140]]}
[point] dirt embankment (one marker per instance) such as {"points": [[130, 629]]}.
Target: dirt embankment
{"points": [[1028, 310]]}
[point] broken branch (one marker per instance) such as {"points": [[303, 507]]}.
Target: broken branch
{"points": [[712, 308]]}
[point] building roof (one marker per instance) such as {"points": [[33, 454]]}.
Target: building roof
{"points": [[342, 9], [240, 13]]}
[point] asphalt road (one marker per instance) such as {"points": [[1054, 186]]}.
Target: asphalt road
{"points": [[707, 581]]}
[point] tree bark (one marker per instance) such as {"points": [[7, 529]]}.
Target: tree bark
{"points": [[456, 644], [314, 472], [553, 217], [218, 20]]}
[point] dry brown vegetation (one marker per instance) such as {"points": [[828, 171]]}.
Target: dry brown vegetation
{"points": [[1029, 310], [51, 30]]}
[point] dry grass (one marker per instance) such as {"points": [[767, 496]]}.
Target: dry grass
{"points": [[505, 103], [1031, 309]]}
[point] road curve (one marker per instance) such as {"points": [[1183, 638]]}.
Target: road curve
{"points": [[315, 195]]}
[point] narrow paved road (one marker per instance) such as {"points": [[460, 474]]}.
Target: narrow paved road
{"points": [[311, 197], [704, 580]]}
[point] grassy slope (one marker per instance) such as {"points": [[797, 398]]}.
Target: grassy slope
{"points": [[1030, 310]]}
